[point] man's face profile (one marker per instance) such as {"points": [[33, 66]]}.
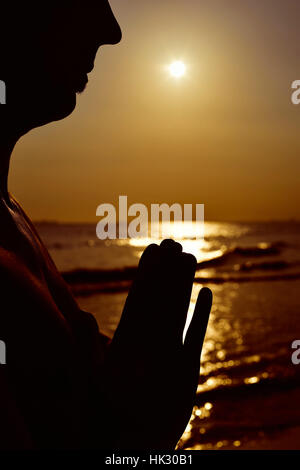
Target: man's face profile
{"points": [[47, 50]]}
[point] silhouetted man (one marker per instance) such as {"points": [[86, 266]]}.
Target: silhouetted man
{"points": [[65, 386]]}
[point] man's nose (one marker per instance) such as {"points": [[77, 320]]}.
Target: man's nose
{"points": [[116, 34], [113, 30]]}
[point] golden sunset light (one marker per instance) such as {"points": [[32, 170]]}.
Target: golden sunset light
{"points": [[150, 228], [177, 69]]}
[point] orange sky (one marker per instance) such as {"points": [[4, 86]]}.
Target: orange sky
{"points": [[225, 135]]}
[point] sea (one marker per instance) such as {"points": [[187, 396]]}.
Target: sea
{"points": [[249, 388]]}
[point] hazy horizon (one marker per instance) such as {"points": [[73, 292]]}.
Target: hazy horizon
{"points": [[250, 222]]}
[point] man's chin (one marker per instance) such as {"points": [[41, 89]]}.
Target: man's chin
{"points": [[53, 109], [63, 107], [39, 106]]}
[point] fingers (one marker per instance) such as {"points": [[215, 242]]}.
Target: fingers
{"points": [[152, 254], [149, 258], [177, 271], [197, 329], [180, 288], [171, 245], [159, 298]]}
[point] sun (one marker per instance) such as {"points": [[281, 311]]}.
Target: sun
{"points": [[177, 69]]}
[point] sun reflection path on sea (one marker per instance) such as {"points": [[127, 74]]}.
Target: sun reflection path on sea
{"points": [[203, 244], [187, 234], [187, 239]]}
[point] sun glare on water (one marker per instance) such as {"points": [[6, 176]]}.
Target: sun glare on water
{"points": [[177, 69]]}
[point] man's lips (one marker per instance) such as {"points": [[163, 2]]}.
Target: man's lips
{"points": [[81, 83], [90, 68], [83, 80], [76, 79]]}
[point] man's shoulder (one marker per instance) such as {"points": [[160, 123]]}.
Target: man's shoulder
{"points": [[12, 269], [8, 263], [20, 288]]}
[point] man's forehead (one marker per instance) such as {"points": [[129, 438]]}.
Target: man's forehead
{"points": [[16, 8], [33, 12]]}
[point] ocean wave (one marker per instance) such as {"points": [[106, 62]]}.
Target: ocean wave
{"points": [[238, 252], [253, 278], [242, 388], [89, 281]]}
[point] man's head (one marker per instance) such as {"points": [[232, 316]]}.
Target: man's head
{"points": [[46, 50]]}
